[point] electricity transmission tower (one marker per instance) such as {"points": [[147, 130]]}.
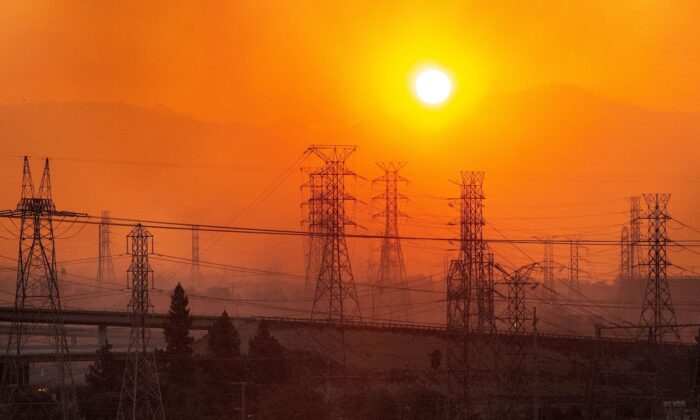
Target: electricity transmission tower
{"points": [[474, 250], [312, 205], [37, 288], [195, 269], [140, 394], [516, 313], [658, 316], [458, 367], [469, 293], [548, 270], [335, 298], [511, 350], [392, 271], [105, 267], [574, 272], [625, 254], [636, 258]]}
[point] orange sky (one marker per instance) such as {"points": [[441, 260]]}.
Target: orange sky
{"points": [[332, 64], [568, 107]]}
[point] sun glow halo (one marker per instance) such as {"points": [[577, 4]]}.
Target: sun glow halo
{"points": [[432, 86]]}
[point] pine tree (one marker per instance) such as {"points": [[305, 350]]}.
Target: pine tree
{"points": [[178, 350], [225, 367], [177, 325], [266, 356], [223, 338], [104, 375]]}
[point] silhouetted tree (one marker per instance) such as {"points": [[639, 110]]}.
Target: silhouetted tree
{"points": [[224, 366], [105, 374], [266, 356], [100, 396], [178, 350], [223, 338]]}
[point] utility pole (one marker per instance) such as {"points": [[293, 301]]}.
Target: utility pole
{"points": [[140, 394], [36, 288], [105, 267], [658, 315], [242, 409], [392, 270], [195, 273]]}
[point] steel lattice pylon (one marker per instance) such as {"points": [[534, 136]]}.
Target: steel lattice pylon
{"points": [[195, 271], [636, 257], [313, 219], [658, 316], [395, 301], [335, 297], [140, 396], [105, 267], [625, 257], [574, 271], [470, 292], [511, 372], [548, 278], [458, 369], [37, 288], [474, 250]]}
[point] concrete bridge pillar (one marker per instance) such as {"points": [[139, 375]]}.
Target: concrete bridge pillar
{"points": [[101, 335]]}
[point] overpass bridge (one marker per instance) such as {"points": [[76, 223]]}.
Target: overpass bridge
{"points": [[104, 319]]}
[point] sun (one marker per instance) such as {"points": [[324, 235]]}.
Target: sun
{"points": [[433, 87]]}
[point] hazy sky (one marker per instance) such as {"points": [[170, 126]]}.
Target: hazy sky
{"points": [[335, 63], [558, 159]]}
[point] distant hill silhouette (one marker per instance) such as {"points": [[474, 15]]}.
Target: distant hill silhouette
{"points": [[553, 131]]}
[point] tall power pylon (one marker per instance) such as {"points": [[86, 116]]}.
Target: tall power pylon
{"points": [[336, 297], [625, 257], [516, 317], [140, 394], [313, 220], [658, 317], [105, 267], [195, 273], [516, 313], [469, 293], [636, 259], [548, 270], [459, 293], [474, 250], [394, 300], [37, 288], [574, 271]]}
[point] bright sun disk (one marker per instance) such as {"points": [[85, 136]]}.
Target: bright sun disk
{"points": [[433, 86]]}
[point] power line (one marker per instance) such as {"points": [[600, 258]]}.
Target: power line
{"points": [[179, 226]]}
